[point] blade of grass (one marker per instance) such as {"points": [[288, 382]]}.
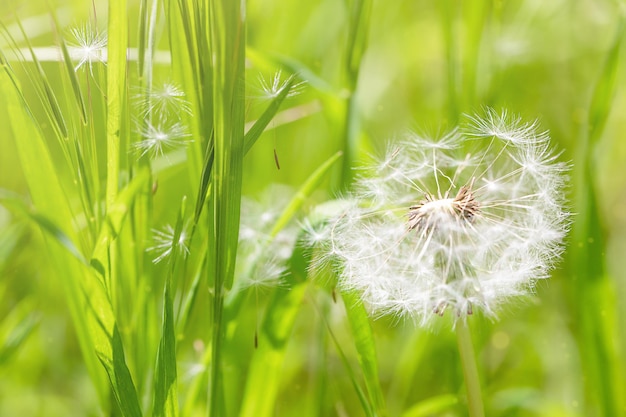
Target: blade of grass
{"points": [[433, 406], [15, 329], [69, 69], [49, 197], [367, 406], [165, 401], [116, 92], [264, 374], [259, 126], [358, 29], [227, 40], [601, 360], [44, 223], [364, 342]]}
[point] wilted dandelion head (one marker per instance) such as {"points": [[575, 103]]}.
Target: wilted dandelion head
{"points": [[89, 46], [463, 223], [155, 139]]}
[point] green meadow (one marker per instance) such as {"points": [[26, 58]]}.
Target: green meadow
{"points": [[163, 164]]}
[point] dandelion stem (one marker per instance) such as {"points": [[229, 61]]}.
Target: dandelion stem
{"points": [[470, 371]]}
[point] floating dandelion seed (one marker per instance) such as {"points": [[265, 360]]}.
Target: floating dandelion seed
{"points": [[90, 46], [165, 243], [263, 253], [165, 101], [462, 223], [273, 88], [156, 139]]}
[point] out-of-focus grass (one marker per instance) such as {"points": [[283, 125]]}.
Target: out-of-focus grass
{"points": [[417, 64]]}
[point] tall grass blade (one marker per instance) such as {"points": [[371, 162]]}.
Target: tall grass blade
{"points": [[594, 291], [364, 342], [116, 92], [264, 375], [69, 69], [259, 126], [227, 44]]}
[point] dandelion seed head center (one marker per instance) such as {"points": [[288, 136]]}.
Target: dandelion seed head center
{"points": [[432, 211]]}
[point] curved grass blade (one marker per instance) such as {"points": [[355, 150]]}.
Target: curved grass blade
{"points": [[49, 197], [69, 68], [46, 225], [15, 329], [259, 126], [364, 342], [303, 193], [433, 406]]}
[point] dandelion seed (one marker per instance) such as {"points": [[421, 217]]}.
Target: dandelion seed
{"points": [[156, 139], [263, 254], [165, 243], [90, 46], [462, 224], [272, 88], [166, 101]]}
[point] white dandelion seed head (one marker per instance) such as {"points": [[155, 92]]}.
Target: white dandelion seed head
{"points": [[156, 139], [89, 46], [165, 242], [463, 223]]}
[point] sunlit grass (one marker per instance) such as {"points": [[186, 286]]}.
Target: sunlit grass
{"points": [[132, 130]]}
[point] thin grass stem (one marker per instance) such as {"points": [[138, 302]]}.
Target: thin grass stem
{"points": [[470, 370]]}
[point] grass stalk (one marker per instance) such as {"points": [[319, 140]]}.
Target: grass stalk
{"points": [[470, 370]]}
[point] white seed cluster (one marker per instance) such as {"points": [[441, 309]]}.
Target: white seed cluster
{"points": [[461, 223]]}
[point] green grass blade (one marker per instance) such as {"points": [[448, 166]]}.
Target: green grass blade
{"points": [[15, 329], [49, 197], [116, 92], [69, 69], [602, 99], [259, 126], [365, 403], [43, 222], [364, 342], [47, 95], [264, 375], [433, 406], [601, 361], [115, 218], [165, 391], [303, 193]]}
